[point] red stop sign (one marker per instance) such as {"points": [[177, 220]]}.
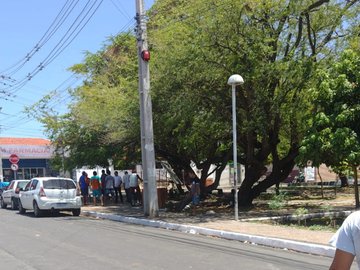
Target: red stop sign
{"points": [[14, 158]]}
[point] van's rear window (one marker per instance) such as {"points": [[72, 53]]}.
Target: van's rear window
{"points": [[59, 184]]}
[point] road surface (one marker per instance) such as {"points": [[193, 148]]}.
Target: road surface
{"points": [[67, 242]]}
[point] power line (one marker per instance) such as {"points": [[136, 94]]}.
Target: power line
{"points": [[120, 9], [63, 15], [70, 81], [73, 31]]}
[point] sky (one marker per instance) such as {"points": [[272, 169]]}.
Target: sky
{"points": [[40, 40]]}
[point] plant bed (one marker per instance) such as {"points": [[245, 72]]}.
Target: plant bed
{"points": [[316, 224]]}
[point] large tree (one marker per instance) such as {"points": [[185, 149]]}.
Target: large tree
{"points": [[334, 136], [196, 45], [275, 45]]}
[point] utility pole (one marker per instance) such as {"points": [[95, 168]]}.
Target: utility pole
{"points": [[150, 200]]}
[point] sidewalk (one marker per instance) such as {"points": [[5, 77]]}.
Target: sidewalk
{"points": [[221, 225]]}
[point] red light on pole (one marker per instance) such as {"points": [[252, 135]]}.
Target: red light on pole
{"points": [[145, 55]]}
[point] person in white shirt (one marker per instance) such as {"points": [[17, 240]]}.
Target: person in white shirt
{"points": [[109, 186], [135, 192], [126, 180], [347, 243], [117, 187]]}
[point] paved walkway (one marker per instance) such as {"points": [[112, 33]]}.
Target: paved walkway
{"points": [[221, 225]]}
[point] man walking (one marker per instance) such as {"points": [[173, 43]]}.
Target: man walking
{"points": [[102, 178], [95, 184], [117, 187], [136, 196], [84, 186], [109, 185], [126, 180]]}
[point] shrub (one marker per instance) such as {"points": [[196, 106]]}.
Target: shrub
{"points": [[278, 201], [300, 212]]}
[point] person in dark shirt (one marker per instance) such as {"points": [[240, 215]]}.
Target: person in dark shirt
{"points": [[103, 182], [195, 188], [84, 186]]}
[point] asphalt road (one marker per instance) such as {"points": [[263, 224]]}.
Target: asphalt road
{"points": [[67, 242]]}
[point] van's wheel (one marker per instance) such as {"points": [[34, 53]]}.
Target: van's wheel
{"points": [[21, 209], [37, 211], [13, 204], [3, 205], [76, 212]]}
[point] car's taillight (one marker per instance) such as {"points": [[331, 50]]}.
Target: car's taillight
{"points": [[42, 193], [78, 192]]}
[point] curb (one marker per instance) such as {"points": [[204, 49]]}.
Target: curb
{"points": [[315, 249]]}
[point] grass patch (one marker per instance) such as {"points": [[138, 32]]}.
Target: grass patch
{"points": [[315, 224]]}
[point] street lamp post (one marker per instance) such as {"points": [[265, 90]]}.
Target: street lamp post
{"points": [[235, 80]]}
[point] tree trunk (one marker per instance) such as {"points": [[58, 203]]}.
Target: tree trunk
{"points": [[322, 183], [344, 180], [249, 190]]}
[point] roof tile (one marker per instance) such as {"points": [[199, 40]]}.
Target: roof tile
{"points": [[24, 141]]}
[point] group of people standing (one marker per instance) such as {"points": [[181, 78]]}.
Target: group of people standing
{"points": [[106, 187]]}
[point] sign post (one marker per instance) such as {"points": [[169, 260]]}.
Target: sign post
{"points": [[14, 159], [14, 167]]}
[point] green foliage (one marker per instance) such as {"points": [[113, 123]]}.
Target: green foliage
{"points": [[326, 208], [301, 212], [278, 201], [334, 138], [103, 119], [199, 44], [277, 46]]}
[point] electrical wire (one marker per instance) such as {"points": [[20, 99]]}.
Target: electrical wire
{"points": [[20, 121], [74, 30], [120, 9], [15, 85], [57, 22]]}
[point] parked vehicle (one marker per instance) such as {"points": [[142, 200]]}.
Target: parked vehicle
{"points": [[3, 186], [50, 194], [11, 194]]}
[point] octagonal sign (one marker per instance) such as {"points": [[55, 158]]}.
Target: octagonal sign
{"points": [[14, 159]]}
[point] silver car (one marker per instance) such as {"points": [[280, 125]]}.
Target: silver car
{"points": [[50, 194], [10, 196]]}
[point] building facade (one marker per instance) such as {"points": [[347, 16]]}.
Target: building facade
{"points": [[31, 157]]}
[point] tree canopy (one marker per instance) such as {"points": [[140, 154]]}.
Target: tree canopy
{"points": [[276, 46], [334, 137]]}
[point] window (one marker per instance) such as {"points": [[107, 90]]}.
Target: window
{"points": [[11, 185], [22, 184], [27, 187], [27, 173], [33, 184], [59, 184]]}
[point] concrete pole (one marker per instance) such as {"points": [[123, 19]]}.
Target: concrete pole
{"points": [[150, 200]]}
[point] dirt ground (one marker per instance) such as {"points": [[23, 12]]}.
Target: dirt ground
{"points": [[215, 213]]}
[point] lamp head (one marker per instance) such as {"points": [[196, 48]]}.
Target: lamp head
{"points": [[235, 80]]}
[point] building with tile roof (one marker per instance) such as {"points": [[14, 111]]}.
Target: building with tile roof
{"points": [[33, 156]]}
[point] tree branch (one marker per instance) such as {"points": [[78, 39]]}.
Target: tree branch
{"points": [[311, 42]]}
